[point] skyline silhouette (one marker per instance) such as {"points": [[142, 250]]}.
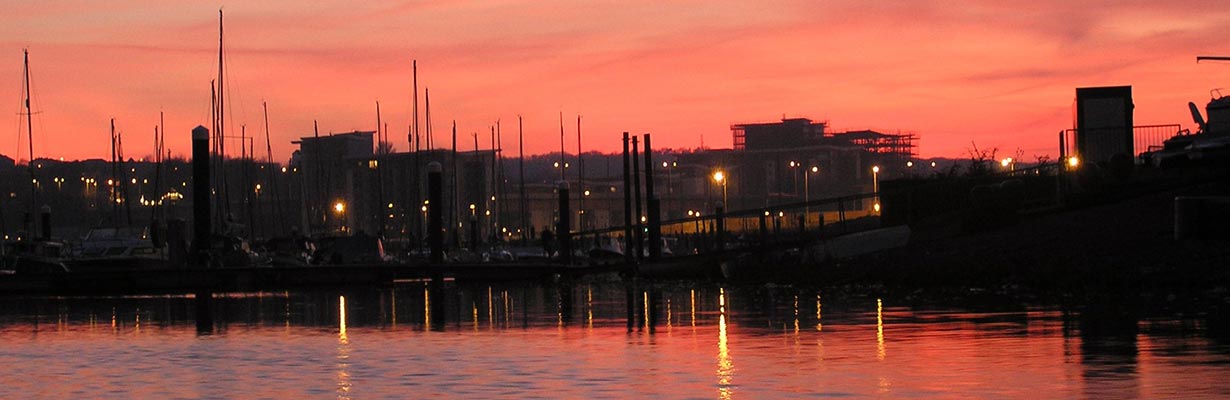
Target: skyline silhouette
{"points": [[992, 73]]}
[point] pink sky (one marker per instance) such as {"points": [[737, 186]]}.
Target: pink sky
{"points": [[997, 73]]}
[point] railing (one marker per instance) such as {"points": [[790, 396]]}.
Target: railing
{"points": [[1144, 138], [741, 229]]}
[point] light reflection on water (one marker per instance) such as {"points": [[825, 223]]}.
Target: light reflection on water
{"points": [[532, 341]]}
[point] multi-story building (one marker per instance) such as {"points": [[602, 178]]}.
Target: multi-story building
{"points": [[347, 187]]}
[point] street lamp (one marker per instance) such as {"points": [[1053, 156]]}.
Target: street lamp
{"points": [[668, 167], [875, 179], [794, 178], [720, 177], [339, 208], [807, 191], [875, 187]]}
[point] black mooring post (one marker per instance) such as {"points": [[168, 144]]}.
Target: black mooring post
{"points": [[777, 228], [630, 301], [200, 196], [435, 215], [653, 309], [655, 231], [628, 247], [720, 232], [764, 229], [563, 229], [473, 236], [802, 227], [638, 234], [655, 228], [203, 300], [45, 223]]}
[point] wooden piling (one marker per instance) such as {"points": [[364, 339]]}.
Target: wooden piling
{"points": [[435, 216], [200, 195]]}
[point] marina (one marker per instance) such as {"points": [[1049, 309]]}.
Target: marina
{"points": [[768, 201]]}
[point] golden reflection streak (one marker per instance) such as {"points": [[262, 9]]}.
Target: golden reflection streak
{"points": [[693, 303], [796, 314], [507, 307], [589, 307], [722, 300], [880, 350], [490, 308], [343, 351], [286, 294], [559, 313], [474, 306], [819, 326], [341, 320], [137, 328], [725, 370], [393, 303], [645, 296], [113, 327], [426, 307], [668, 314]]}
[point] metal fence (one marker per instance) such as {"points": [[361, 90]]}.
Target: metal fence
{"points": [[719, 230], [1144, 138]]}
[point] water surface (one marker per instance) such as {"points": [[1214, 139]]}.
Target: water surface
{"points": [[582, 341]]}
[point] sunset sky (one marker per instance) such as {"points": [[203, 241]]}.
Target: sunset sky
{"points": [[997, 73]]}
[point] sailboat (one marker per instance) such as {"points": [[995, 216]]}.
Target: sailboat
{"points": [[115, 248], [226, 248], [31, 253]]}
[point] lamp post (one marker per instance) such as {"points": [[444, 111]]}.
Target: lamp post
{"points": [[875, 187], [339, 208], [581, 213], [1008, 164], [807, 191], [794, 177]]}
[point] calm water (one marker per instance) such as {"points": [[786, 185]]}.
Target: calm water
{"points": [[579, 342]]}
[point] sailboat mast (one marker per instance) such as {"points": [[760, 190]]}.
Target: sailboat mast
{"points": [[414, 65], [499, 179], [29, 131], [111, 183], [271, 174], [379, 174], [525, 223], [119, 149], [456, 205], [580, 180], [223, 197]]}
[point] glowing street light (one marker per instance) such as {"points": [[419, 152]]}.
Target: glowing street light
{"points": [[339, 207], [875, 187], [807, 190], [720, 177], [875, 179]]}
